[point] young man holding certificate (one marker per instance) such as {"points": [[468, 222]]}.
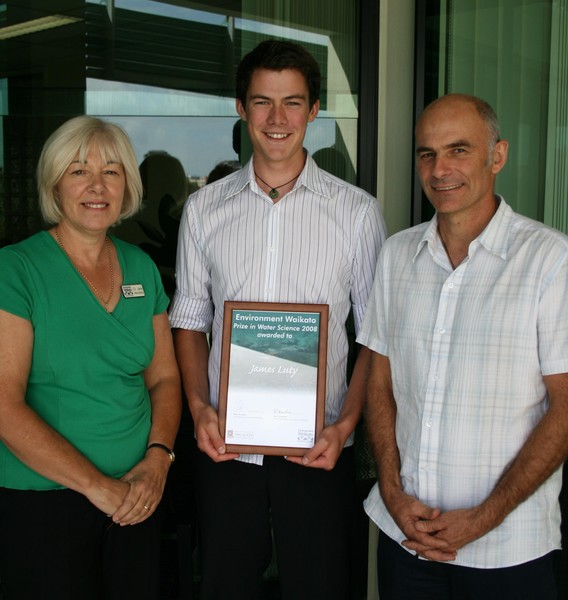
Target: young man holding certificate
{"points": [[279, 230]]}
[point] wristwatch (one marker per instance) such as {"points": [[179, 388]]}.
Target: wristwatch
{"points": [[165, 449]]}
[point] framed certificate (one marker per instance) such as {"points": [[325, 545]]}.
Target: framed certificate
{"points": [[272, 382]]}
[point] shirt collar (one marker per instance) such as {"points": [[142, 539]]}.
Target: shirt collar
{"points": [[494, 238], [242, 178], [310, 177]]}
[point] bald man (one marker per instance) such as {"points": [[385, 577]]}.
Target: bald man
{"points": [[467, 396]]}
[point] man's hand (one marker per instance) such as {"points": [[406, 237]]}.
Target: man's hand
{"points": [[325, 452], [456, 528], [209, 439], [409, 513]]}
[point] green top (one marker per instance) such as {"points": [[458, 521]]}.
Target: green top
{"points": [[86, 378]]}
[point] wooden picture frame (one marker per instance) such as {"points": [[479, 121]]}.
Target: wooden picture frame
{"points": [[273, 376]]}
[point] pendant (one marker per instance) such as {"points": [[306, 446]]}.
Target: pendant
{"points": [[273, 193]]}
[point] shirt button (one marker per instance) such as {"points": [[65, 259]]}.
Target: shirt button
{"points": [[450, 285], [442, 331], [428, 423]]}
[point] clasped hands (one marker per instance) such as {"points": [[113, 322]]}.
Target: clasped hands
{"points": [[432, 534], [133, 498]]}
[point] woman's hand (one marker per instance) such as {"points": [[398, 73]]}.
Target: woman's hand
{"points": [[108, 495], [146, 482]]}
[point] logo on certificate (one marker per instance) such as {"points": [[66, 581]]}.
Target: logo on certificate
{"points": [[305, 435]]}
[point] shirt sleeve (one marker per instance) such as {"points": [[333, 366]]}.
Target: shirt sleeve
{"points": [[553, 321], [15, 288], [373, 328], [192, 306], [162, 300], [370, 238]]}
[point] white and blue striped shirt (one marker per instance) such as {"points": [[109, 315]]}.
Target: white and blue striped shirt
{"points": [[318, 244], [468, 350]]}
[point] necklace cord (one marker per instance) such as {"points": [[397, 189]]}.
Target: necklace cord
{"points": [[273, 193]]}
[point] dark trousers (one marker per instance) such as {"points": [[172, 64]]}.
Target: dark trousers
{"points": [[309, 510], [57, 545], [403, 576]]}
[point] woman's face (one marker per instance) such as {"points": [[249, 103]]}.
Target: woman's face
{"points": [[91, 193]]}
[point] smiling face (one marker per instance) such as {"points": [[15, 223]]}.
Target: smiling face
{"points": [[457, 159], [90, 193], [277, 114]]}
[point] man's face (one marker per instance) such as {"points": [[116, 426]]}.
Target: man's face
{"points": [[277, 113], [456, 161]]}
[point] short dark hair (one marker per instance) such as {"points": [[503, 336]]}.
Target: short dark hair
{"points": [[276, 55]]}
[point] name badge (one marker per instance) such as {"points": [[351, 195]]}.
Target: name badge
{"points": [[136, 290]]}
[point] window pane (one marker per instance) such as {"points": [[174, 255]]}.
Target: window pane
{"points": [[166, 73], [507, 53]]}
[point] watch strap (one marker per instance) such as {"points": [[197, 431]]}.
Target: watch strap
{"points": [[163, 447]]}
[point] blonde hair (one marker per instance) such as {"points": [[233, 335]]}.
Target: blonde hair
{"points": [[73, 140]]}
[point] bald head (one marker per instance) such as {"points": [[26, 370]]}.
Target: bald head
{"points": [[466, 102]]}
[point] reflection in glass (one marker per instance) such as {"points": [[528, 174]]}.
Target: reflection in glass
{"points": [[165, 71]]}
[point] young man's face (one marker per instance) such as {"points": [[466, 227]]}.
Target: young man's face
{"points": [[277, 114]]}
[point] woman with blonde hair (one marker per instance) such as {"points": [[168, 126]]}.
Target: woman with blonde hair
{"points": [[90, 393]]}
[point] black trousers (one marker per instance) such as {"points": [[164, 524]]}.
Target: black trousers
{"points": [[55, 545], [310, 512], [403, 576]]}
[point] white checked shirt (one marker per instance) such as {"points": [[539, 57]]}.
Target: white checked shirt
{"points": [[318, 244], [468, 349]]}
